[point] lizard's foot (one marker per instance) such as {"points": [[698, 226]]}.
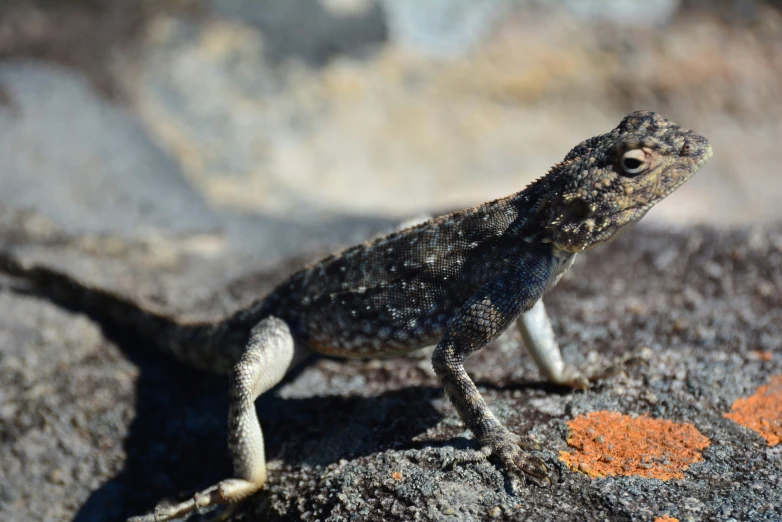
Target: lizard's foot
{"points": [[571, 377], [270, 352], [225, 492], [574, 378], [513, 451]]}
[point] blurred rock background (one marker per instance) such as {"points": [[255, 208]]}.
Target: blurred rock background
{"points": [[183, 152], [313, 107]]}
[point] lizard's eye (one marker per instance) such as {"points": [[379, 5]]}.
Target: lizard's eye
{"points": [[633, 162]]}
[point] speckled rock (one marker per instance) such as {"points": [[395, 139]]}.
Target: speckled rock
{"points": [[107, 432], [197, 200]]}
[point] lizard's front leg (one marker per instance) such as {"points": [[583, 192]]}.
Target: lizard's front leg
{"points": [[270, 353], [538, 335], [481, 320]]}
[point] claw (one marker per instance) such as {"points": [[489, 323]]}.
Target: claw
{"points": [[527, 443], [580, 384], [467, 456], [542, 482], [573, 378], [510, 448], [533, 467]]}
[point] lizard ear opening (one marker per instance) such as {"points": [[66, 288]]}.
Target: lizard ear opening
{"points": [[577, 210]]}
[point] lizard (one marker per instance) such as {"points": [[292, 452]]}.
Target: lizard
{"points": [[456, 281]]}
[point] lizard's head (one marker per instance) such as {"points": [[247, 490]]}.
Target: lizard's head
{"points": [[609, 182]]}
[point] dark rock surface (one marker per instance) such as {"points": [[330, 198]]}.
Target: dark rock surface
{"points": [[96, 426], [237, 138], [684, 310]]}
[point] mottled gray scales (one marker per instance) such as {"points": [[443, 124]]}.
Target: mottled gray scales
{"points": [[396, 293], [458, 280]]}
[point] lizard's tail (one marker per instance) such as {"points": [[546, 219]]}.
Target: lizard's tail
{"points": [[211, 346]]}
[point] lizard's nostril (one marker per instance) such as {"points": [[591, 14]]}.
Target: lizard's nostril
{"points": [[695, 145]]}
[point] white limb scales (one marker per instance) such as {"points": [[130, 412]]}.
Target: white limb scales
{"points": [[538, 335], [269, 355]]}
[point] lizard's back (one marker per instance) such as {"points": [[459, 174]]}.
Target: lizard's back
{"points": [[397, 293]]}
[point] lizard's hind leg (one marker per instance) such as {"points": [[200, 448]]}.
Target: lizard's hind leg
{"points": [[269, 355]]}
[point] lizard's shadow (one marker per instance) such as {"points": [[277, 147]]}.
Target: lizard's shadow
{"points": [[176, 444]]}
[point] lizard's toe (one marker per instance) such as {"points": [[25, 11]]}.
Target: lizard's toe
{"points": [[533, 466], [510, 449], [529, 464], [542, 482], [573, 378], [526, 442]]}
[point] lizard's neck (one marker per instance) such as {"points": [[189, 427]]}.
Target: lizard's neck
{"points": [[533, 205]]}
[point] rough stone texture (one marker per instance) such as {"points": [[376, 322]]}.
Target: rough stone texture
{"points": [[66, 404], [684, 310], [762, 411], [181, 198], [370, 440], [126, 201]]}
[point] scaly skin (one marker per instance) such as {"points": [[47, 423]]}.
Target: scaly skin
{"points": [[457, 281]]}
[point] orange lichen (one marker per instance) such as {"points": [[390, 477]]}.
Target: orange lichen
{"points": [[396, 475], [763, 356], [610, 443], [762, 411], [666, 518]]}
